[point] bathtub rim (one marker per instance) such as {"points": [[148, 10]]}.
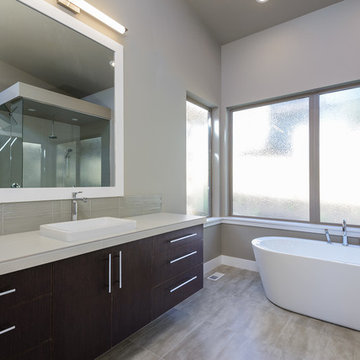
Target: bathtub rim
{"points": [[256, 243]]}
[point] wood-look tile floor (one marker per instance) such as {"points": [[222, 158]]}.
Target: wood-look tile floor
{"points": [[231, 319]]}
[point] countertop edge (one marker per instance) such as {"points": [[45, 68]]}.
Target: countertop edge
{"points": [[26, 262]]}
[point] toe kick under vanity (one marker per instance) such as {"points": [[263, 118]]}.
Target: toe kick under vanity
{"points": [[61, 300]]}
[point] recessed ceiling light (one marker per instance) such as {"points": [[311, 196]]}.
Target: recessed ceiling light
{"points": [[112, 63], [261, 1], [32, 110]]}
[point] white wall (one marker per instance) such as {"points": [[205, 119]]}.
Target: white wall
{"points": [[167, 53], [315, 50]]}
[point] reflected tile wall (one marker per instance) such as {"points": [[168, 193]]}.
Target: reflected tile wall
{"points": [[28, 216]]}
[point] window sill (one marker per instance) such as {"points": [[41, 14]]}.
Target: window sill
{"points": [[283, 225], [212, 221]]}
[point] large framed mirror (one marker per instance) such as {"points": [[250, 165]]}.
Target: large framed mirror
{"points": [[60, 126]]}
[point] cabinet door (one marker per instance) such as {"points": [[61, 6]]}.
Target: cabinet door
{"points": [[82, 305], [131, 292], [25, 326]]}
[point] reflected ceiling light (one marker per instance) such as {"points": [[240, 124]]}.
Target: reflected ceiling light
{"points": [[2, 148], [76, 5], [32, 110], [112, 63], [13, 142], [261, 1], [75, 119]]}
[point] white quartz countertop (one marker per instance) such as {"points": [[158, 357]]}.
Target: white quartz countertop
{"points": [[24, 250]]}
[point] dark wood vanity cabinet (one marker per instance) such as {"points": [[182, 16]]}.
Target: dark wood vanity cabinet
{"points": [[131, 290], [25, 313], [82, 306], [78, 308], [177, 269], [100, 298]]}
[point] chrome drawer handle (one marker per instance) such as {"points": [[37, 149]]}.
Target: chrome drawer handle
{"points": [[182, 238], [183, 284], [7, 330], [110, 274], [7, 292], [183, 257]]}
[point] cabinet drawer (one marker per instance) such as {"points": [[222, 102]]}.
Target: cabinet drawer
{"points": [[174, 261], [42, 352], [24, 327], [24, 285], [172, 292], [170, 242]]}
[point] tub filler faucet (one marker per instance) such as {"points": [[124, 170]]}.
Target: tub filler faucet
{"points": [[74, 207], [345, 236], [327, 236]]}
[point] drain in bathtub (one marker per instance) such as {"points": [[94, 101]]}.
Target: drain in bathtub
{"points": [[215, 276]]}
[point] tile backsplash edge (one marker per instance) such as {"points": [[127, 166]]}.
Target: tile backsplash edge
{"points": [[28, 216]]}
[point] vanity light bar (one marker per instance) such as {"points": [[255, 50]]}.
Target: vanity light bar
{"points": [[68, 5], [94, 12]]}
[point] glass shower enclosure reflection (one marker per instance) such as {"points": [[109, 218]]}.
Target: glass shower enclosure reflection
{"points": [[43, 145]]}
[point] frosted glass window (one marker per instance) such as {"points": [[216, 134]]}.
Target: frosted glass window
{"points": [[270, 161], [197, 159], [339, 156]]}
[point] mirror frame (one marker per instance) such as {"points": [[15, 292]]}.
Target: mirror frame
{"points": [[41, 194]]}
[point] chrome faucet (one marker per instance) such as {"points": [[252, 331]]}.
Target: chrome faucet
{"points": [[74, 207], [345, 236], [327, 236]]}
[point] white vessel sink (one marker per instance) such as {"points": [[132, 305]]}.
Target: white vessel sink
{"points": [[90, 229]]}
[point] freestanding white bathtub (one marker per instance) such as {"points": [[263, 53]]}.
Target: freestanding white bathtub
{"points": [[311, 277]]}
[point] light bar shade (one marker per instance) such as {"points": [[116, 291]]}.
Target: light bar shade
{"points": [[99, 15]]}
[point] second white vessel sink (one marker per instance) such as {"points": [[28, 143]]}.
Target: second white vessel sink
{"points": [[90, 229]]}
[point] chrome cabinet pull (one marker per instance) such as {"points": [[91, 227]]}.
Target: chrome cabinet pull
{"points": [[7, 292], [182, 238], [183, 284], [109, 273], [120, 269], [183, 257], [7, 330]]}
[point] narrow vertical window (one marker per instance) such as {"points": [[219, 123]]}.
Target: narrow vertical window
{"points": [[270, 161], [198, 128], [339, 156]]}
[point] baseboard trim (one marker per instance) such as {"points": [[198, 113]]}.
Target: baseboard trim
{"points": [[212, 264], [230, 261], [239, 263]]}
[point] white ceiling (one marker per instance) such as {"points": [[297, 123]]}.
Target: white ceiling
{"points": [[230, 20]]}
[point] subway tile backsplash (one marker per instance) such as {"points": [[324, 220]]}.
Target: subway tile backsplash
{"points": [[28, 216]]}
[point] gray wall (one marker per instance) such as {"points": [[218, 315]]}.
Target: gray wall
{"points": [[9, 73], [315, 50], [236, 239], [212, 242], [168, 52]]}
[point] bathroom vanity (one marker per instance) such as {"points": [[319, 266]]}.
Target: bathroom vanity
{"points": [[76, 301]]}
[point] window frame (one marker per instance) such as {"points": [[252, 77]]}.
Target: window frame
{"points": [[210, 138], [314, 149]]}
